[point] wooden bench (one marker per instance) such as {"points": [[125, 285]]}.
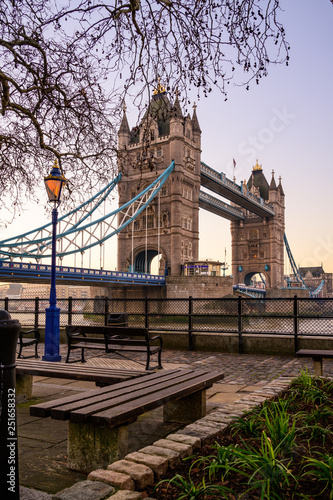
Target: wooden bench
{"points": [[114, 339], [26, 369], [317, 356], [28, 338], [97, 432]]}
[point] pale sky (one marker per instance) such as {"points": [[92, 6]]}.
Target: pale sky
{"points": [[287, 123]]}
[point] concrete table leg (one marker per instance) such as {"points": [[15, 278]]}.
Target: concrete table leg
{"points": [[318, 367], [186, 410], [92, 447], [23, 387]]}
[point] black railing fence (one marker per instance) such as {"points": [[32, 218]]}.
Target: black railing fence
{"points": [[279, 316]]}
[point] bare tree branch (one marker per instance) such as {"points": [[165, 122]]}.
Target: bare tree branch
{"points": [[66, 71]]}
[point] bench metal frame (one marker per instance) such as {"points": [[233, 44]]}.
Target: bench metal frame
{"points": [[25, 340], [114, 339]]}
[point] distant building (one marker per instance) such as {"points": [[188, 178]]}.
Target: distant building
{"points": [[204, 268], [42, 290], [313, 276]]}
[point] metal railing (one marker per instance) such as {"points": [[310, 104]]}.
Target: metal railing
{"points": [[239, 316]]}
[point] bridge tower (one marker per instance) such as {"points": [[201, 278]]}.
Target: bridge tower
{"points": [[257, 243], [169, 227]]}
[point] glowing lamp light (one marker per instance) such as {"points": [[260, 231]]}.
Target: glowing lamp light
{"points": [[54, 183]]}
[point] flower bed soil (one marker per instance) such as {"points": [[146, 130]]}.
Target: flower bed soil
{"points": [[291, 452]]}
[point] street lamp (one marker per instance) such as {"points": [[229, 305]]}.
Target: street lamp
{"points": [[54, 184]]}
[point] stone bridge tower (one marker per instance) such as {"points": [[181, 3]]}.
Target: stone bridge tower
{"points": [[257, 243], [170, 225]]}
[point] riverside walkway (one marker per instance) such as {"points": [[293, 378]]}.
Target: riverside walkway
{"points": [[43, 443]]}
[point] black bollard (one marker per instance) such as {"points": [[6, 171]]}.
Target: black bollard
{"points": [[9, 471]]}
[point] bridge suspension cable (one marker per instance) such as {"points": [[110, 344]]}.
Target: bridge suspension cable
{"points": [[76, 234], [295, 269], [297, 274]]}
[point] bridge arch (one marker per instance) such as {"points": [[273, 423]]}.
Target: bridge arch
{"points": [[143, 260], [143, 257], [249, 275]]}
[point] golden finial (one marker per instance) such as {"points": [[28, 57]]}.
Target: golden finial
{"points": [[194, 106], [160, 88], [257, 166]]}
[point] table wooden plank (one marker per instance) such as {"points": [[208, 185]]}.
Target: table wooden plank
{"points": [[131, 409], [115, 396], [171, 385], [88, 373], [44, 409]]}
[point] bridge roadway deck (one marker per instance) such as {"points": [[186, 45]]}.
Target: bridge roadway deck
{"points": [[218, 207], [220, 184], [41, 273]]}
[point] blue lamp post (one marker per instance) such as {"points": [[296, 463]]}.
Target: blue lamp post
{"points": [[54, 184]]}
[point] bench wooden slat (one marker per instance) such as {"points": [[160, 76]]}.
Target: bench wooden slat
{"points": [[46, 368], [44, 409], [132, 348], [90, 345], [99, 375], [314, 352], [131, 409], [118, 397], [128, 331], [317, 356]]}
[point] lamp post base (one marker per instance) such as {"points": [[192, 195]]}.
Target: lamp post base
{"points": [[52, 334]]}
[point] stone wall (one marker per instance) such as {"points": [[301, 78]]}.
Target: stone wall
{"points": [[180, 287]]}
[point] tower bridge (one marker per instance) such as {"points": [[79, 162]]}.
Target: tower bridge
{"points": [[160, 176], [170, 226]]}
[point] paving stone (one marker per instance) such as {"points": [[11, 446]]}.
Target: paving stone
{"points": [[184, 450], [116, 479], [222, 387], [157, 463], [85, 490], [182, 438], [221, 397], [172, 456], [28, 494], [142, 475], [126, 495]]}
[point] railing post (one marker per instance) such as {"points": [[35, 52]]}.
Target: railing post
{"points": [[146, 313], [190, 323], [106, 310], [296, 323], [6, 303], [36, 312], [70, 310], [240, 325]]}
